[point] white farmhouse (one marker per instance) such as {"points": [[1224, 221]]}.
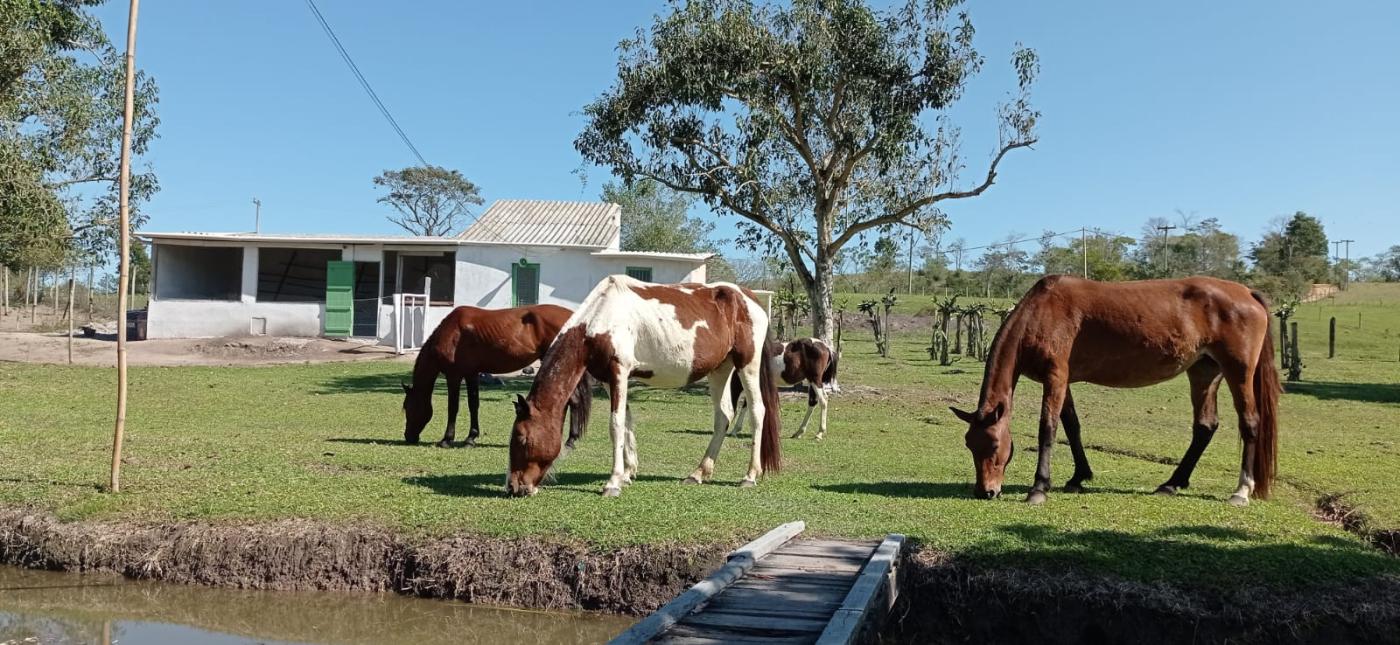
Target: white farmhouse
{"points": [[518, 252]]}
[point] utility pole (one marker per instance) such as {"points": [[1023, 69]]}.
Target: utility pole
{"points": [[1346, 268], [1162, 250], [1084, 246], [257, 215]]}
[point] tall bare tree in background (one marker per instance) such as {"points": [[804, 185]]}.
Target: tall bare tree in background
{"points": [[816, 121]]}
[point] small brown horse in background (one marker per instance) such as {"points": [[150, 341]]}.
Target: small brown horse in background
{"points": [[471, 341], [809, 360], [1130, 334]]}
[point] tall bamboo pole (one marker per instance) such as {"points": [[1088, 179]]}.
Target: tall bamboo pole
{"points": [[124, 269]]}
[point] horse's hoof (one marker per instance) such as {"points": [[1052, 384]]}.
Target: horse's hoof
{"points": [[820, 437], [1166, 490], [569, 444], [1036, 498], [747, 483], [446, 444], [797, 435], [1073, 487], [1239, 501], [612, 491], [691, 480]]}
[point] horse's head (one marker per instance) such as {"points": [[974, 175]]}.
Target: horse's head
{"points": [[989, 439], [417, 412], [534, 445]]}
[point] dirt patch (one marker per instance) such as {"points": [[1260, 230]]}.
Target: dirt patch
{"points": [[1334, 508], [945, 601], [304, 555], [28, 347]]}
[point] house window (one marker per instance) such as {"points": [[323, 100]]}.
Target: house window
{"points": [[293, 275], [525, 284], [639, 273]]}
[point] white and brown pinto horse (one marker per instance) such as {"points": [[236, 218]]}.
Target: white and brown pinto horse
{"points": [[809, 360], [662, 335]]}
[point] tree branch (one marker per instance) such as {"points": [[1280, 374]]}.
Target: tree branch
{"points": [[899, 215]]}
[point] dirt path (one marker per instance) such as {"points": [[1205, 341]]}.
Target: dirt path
{"points": [[30, 347]]}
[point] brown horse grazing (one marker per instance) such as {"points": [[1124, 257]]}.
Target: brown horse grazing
{"points": [[471, 341], [1130, 334], [808, 360], [662, 335]]}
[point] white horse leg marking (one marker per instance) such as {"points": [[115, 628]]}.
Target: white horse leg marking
{"points": [[749, 376], [1246, 488], [724, 416], [802, 428], [629, 454], [618, 430], [821, 400]]}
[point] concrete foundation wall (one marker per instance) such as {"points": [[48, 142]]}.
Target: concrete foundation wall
{"points": [[215, 318]]}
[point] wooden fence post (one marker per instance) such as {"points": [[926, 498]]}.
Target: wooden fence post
{"points": [[1295, 369], [71, 282], [1332, 337]]}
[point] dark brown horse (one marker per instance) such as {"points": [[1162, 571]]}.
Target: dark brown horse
{"points": [[1130, 334], [662, 335], [809, 360], [471, 341]]}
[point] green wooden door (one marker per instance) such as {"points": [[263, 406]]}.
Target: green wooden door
{"points": [[340, 289], [524, 284]]}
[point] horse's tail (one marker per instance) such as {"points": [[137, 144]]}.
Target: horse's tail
{"points": [[1266, 395], [580, 405], [770, 453]]}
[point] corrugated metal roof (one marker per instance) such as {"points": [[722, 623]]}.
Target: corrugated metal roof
{"points": [[548, 223]]}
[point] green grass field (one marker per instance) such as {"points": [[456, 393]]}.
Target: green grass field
{"points": [[323, 442]]}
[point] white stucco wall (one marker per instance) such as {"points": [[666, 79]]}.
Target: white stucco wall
{"points": [[482, 279], [566, 275]]}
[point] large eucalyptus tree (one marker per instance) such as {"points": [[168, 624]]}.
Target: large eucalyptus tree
{"points": [[814, 121]]}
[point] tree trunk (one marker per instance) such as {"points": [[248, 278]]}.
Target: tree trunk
{"points": [[819, 293], [89, 294], [5, 308], [72, 280]]}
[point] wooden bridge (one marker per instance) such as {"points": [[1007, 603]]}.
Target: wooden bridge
{"points": [[778, 589]]}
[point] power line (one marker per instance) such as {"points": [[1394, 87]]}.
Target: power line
{"points": [[355, 69]]}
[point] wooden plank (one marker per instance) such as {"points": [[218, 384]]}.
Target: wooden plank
{"points": [[684, 633], [817, 611], [768, 597], [841, 549], [758, 624], [876, 581], [796, 576], [806, 563], [815, 586], [740, 561]]}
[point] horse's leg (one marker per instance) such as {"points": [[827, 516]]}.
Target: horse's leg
{"points": [[749, 375], [629, 451], [1051, 405], [1082, 473], [724, 416], [454, 395], [1240, 377], [1205, 383], [617, 428], [811, 404], [821, 400], [473, 404], [739, 404]]}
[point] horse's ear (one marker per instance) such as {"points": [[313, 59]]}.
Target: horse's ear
{"points": [[406, 388], [996, 413], [522, 409], [967, 417]]}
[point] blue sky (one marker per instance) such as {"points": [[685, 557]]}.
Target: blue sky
{"points": [[1242, 111]]}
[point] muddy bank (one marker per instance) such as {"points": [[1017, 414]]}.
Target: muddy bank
{"points": [[947, 601], [301, 555]]}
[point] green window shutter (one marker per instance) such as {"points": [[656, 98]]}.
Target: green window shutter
{"points": [[639, 273], [525, 284], [340, 288]]}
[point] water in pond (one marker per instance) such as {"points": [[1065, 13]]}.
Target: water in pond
{"points": [[49, 607]]}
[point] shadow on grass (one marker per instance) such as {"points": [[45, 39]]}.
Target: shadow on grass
{"points": [[1359, 392], [391, 383], [953, 490], [493, 484], [1194, 553], [399, 443]]}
